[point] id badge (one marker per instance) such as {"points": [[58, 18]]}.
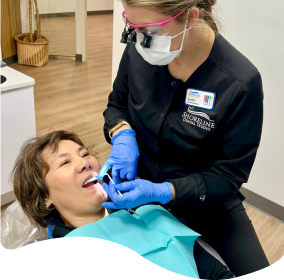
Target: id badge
{"points": [[200, 99]]}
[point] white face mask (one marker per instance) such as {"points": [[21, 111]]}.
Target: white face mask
{"points": [[159, 53]]}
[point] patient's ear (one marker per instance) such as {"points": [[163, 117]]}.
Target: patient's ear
{"points": [[47, 202]]}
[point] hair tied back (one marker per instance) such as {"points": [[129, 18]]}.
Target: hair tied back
{"points": [[206, 4]]}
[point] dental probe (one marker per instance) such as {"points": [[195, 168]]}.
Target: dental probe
{"points": [[131, 211], [96, 180], [114, 184]]}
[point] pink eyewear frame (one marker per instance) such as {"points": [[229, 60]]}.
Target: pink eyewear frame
{"points": [[150, 24]]}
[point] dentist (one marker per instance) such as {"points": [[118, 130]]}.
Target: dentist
{"points": [[185, 115]]}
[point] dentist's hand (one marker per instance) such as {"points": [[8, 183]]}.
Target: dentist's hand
{"points": [[123, 157], [136, 193]]}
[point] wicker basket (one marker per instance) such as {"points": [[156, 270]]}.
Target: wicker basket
{"points": [[34, 54]]}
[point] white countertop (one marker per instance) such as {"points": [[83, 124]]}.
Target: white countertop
{"points": [[15, 79]]}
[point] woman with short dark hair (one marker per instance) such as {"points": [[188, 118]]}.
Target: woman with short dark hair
{"points": [[43, 169]]}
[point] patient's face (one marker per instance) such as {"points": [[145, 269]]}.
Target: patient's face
{"points": [[70, 167]]}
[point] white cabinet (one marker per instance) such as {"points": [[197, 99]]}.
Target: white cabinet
{"points": [[17, 123]]}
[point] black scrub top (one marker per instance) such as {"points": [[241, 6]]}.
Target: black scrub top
{"points": [[206, 154]]}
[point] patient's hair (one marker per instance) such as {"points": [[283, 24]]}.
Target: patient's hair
{"points": [[28, 175]]}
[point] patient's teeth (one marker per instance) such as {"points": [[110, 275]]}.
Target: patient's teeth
{"points": [[90, 180]]}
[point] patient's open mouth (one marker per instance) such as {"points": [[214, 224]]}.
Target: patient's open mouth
{"points": [[90, 183]]}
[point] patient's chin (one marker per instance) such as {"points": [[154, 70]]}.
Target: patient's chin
{"points": [[99, 198], [102, 191]]}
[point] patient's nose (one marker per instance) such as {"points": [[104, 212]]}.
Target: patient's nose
{"points": [[84, 165]]}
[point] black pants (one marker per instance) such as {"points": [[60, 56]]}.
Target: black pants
{"points": [[208, 266], [232, 235]]}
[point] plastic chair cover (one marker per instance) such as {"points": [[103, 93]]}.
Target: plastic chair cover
{"points": [[17, 230]]}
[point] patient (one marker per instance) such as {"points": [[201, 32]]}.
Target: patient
{"points": [[54, 177]]}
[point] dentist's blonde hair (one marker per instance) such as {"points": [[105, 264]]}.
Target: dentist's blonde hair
{"points": [[174, 7]]}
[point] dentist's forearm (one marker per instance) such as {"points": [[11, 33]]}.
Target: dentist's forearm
{"points": [[125, 126], [173, 192]]}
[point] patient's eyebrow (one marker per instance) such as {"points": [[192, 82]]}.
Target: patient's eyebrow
{"points": [[67, 154]]}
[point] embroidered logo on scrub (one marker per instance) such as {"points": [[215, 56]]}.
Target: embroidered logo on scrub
{"points": [[198, 119], [200, 99]]}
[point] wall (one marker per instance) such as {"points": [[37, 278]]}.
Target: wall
{"points": [[99, 5], [118, 26], [10, 26], [25, 16], [60, 6], [64, 6], [256, 29], [258, 34]]}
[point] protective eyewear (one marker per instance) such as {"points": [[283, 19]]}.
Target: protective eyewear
{"points": [[130, 30]]}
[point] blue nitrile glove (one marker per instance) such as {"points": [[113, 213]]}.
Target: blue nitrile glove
{"points": [[136, 193], [123, 157]]}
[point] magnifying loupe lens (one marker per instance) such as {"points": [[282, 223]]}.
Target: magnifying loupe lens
{"points": [[146, 42], [132, 38], [124, 37]]}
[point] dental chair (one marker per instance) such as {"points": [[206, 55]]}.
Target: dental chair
{"points": [[17, 231]]}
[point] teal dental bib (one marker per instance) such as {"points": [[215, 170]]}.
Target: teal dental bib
{"points": [[155, 234]]}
